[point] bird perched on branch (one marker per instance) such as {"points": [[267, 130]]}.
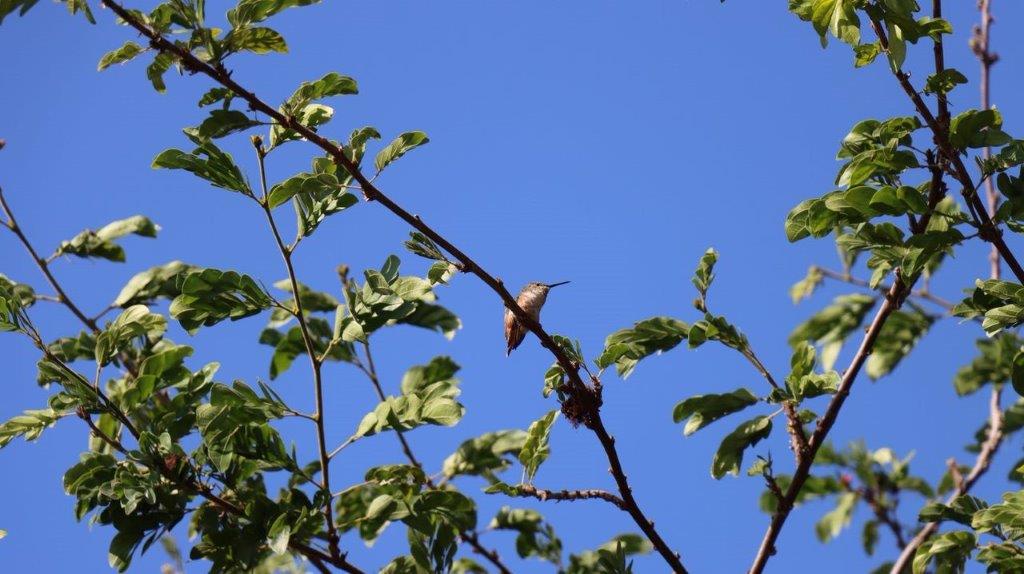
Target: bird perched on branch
{"points": [[530, 299]]}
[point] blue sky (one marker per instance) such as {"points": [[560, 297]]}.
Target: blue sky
{"points": [[609, 143]]}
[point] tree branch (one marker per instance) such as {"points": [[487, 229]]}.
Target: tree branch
{"points": [[530, 491], [981, 465], [315, 365], [989, 231], [584, 402], [892, 301], [918, 293], [12, 224]]}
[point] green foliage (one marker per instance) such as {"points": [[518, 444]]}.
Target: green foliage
{"points": [[399, 147], [535, 536], [485, 455], [28, 425], [101, 243], [610, 557], [535, 449], [729, 457], [703, 410], [210, 296], [626, 347], [428, 397], [206, 161]]}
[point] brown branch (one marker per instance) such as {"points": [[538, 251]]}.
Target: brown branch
{"points": [[584, 402], [315, 364], [114, 444], [12, 224], [980, 46], [891, 303], [981, 465], [530, 491], [989, 231]]}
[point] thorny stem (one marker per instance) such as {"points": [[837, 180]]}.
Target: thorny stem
{"points": [[315, 365], [587, 399], [530, 491]]}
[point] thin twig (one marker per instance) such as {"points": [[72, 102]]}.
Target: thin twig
{"points": [[918, 293], [587, 400], [300, 316], [12, 224]]}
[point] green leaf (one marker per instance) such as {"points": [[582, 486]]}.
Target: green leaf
{"points": [[399, 147], [729, 457], [121, 55], [157, 68], [428, 397], [256, 40], [135, 321], [101, 243], [486, 455], [535, 538], [154, 283], [626, 347], [536, 450], [804, 288], [703, 277], [944, 81], [211, 296], [833, 324], [28, 425], [837, 519], [253, 11], [703, 410], [225, 122], [332, 84], [977, 129], [208, 162], [897, 338], [949, 551]]}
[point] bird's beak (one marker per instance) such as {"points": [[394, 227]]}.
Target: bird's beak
{"points": [[550, 285]]}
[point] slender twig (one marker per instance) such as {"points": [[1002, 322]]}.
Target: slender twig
{"points": [[114, 444], [797, 435], [12, 224], [585, 400], [980, 45], [918, 293], [315, 364], [530, 491], [885, 515]]}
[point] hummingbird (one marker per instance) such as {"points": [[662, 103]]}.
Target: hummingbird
{"points": [[530, 299]]}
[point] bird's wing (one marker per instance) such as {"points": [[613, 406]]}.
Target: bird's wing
{"points": [[514, 331]]}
